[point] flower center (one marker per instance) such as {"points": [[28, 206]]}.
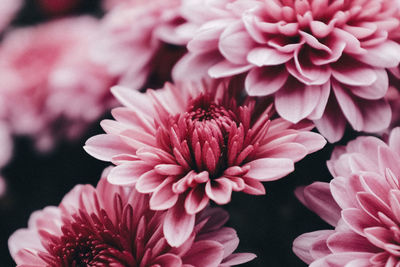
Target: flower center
{"points": [[90, 242], [208, 137]]}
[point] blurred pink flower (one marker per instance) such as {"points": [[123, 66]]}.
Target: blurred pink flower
{"points": [[188, 144], [8, 10], [321, 60], [362, 202], [134, 37], [49, 86], [113, 226], [6, 144]]}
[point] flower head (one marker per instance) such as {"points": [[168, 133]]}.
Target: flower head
{"points": [[49, 86], [187, 145], [139, 39], [321, 60], [113, 226], [361, 202]]}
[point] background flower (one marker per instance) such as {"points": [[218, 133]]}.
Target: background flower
{"points": [[361, 202], [138, 40], [187, 145], [112, 225], [322, 60], [49, 85]]}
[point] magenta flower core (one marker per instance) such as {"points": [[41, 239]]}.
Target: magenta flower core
{"points": [[113, 226], [187, 146]]}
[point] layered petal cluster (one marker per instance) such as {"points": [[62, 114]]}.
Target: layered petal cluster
{"points": [[134, 37], [49, 86], [322, 60], [8, 10], [362, 202], [113, 226], [189, 144]]}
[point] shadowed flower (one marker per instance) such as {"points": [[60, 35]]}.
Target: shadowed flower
{"points": [[50, 89], [187, 145], [362, 202], [113, 226], [133, 40], [322, 60]]}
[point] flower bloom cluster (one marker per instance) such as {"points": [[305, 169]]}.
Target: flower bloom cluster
{"points": [[49, 86], [362, 202], [187, 145], [113, 226], [245, 82], [140, 32], [321, 60]]}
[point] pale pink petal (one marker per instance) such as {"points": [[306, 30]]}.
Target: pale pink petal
{"points": [[105, 147], [269, 169], [265, 81], [349, 107], [178, 225], [296, 101]]}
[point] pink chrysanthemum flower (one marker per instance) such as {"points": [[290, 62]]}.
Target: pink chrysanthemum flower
{"points": [[134, 36], [362, 202], [49, 86], [187, 145], [8, 10], [113, 226], [322, 60]]}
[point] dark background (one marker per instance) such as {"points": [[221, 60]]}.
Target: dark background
{"points": [[266, 225]]}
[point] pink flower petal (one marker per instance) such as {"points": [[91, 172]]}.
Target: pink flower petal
{"points": [[219, 190], [269, 169], [105, 147], [163, 197], [196, 200], [178, 225], [264, 56], [318, 198], [149, 181], [376, 90], [265, 81], [235, 43], [204, 253], [354, 74], [226, 69], [128, 173], [295, 101], [350, 109]]}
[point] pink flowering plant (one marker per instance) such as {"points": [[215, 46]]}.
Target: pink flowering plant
{"points": [[361, 203], [113, 226], [246, 94], [190, 144]]}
